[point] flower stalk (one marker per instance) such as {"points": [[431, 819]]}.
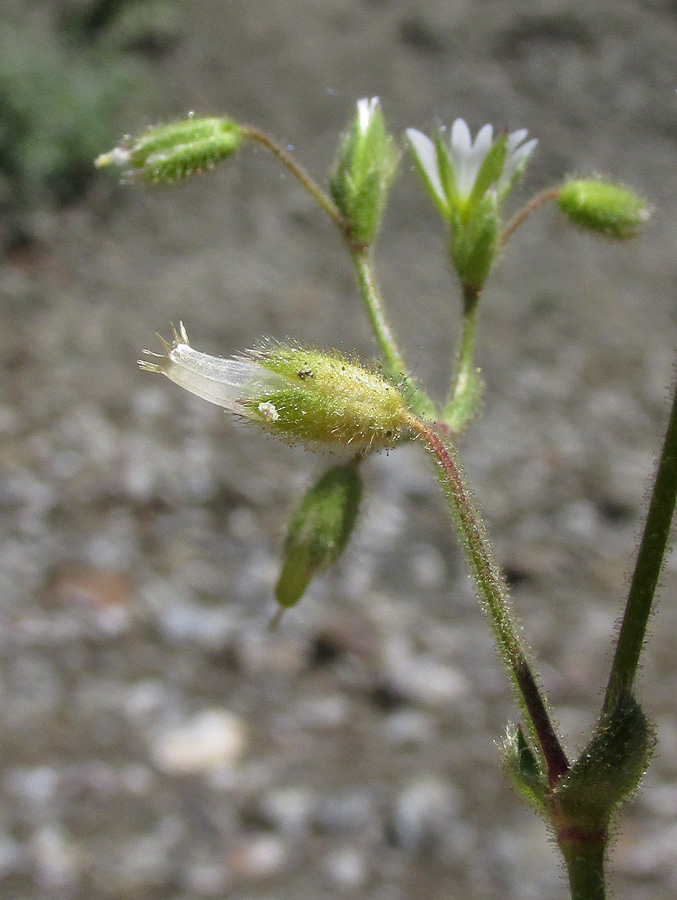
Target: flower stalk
{"points": [[650, 558], [495, 598]]}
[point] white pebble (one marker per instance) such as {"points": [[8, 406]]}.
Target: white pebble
{"points": [[212, 739]]}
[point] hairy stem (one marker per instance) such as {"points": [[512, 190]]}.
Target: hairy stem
{"points": [[363, 261], [647, 569], [288, 161], [465, 390], [496, 601], [523, 214], [585, 867]]}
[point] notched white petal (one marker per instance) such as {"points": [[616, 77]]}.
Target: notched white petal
{"points": [[365, 111]]}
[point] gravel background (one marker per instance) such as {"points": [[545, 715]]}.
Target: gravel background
{"points": [[158, 741]]}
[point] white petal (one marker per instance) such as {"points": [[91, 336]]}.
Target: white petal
{"points": [[515, 139], [515, 161], [460, 136], [426, 154], [365, 111], [484, 140]]}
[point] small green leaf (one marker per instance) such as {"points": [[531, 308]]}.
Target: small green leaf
{"points": [[523, 769], [611, 766]]}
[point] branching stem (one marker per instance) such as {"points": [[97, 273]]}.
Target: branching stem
{"points": [[306, 181], [647, 569], [495, 598], [523, 214]]}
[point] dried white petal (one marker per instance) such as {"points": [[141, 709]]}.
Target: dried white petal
{"points": [[226, 382]]}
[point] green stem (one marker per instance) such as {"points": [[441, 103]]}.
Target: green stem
{"points": [[496, 601], [585, 867], [523, 214], [324, 201], [647, 569], [465, 390], [363, 261]]}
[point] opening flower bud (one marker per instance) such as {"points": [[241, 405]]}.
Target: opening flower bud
{"points": [[364, 169], [169, 153], [319, 531], [604, 207], [298, 394]]}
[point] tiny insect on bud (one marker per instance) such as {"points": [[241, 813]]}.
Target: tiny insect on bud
{"points": [[294, 392], [603, 206]]}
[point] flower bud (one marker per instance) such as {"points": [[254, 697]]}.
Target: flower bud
{"points": [[169, 153], [604, 207], [319, 531], [293, 392], [364, 169]]}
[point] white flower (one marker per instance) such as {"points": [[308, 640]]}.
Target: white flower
{"points": [[229, 383], [465, 159], [365, 112]]}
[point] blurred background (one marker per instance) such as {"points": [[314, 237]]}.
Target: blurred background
{"points": [[158, 741]]}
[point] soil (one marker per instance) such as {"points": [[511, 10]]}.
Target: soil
{"points": [[159, 741]]}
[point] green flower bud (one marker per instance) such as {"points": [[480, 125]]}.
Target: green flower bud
{"points": [[169, 153], [298, 394], [604, 207], [364, 169], [319, 531]]}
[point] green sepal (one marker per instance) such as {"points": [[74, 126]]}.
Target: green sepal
{"points": [[465, 403], [474, 243], [173, 152], [446, 171], [319, 531], [490, 171], [603, 207], [417, 400], [523, 769], [611, 766]]}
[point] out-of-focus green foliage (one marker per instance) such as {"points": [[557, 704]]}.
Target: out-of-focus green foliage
{"points": [[65, 71]]}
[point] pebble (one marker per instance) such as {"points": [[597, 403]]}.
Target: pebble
{"points": [[211, 739], [288, 809], [424, 812], [12, 855], [409, 728], [54, 858], [346, 869], [257, 857], [421, 677]]}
